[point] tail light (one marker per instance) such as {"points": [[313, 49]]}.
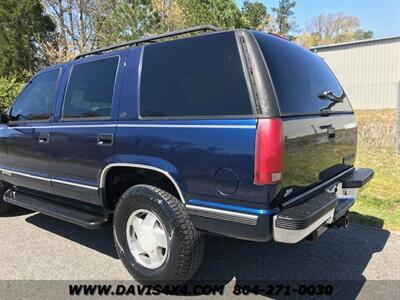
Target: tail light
{"points": [[268, 164]]}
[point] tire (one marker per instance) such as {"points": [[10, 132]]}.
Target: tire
{"points": [[4, 206], [183, 253]]}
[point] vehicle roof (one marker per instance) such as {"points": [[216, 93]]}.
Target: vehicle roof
{"points": [[104, 52]]}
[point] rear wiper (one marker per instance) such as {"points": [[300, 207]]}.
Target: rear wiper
{"points": [[329, 95]]}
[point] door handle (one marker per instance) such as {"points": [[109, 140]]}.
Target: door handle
{"points": [[105, 139], [44, 138]]}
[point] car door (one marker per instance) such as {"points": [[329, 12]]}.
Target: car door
{"points": [[82, 137], [28, 134]]}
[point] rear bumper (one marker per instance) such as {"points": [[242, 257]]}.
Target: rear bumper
{"points": [[288, 224], [332, 218], [326, 209]]}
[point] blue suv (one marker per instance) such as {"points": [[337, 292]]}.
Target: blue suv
{"points": [[236, 133]]}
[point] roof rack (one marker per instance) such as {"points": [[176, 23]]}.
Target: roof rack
{"points": [[151, 39]]}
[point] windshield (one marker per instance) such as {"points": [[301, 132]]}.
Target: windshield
{"points": [[300, 77]]}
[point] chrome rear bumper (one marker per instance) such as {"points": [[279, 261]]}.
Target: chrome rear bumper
{"points": [[291, 236]]}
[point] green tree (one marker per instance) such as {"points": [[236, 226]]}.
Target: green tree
{"points": [[307, 40], [10, 87], [130, 20], [284, 13], [133, 19], [360, 34], [24, 27], [255, 15], [221, 13], [328, 29]]}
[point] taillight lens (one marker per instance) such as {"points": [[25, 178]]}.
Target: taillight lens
{"points": [[269, 156]]}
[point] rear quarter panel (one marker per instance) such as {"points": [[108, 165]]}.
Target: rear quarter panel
{"points": [[194, 152]]}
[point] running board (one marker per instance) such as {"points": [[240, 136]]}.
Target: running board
{"points": [[56, 210]]}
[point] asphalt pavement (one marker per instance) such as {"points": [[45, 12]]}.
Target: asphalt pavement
{"points": [[362, 262]]}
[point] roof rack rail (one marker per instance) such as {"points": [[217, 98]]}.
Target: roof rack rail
{"points": [[151, 39]]}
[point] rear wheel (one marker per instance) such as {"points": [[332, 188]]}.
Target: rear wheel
{"points": [[155, 238], [4, 206]]}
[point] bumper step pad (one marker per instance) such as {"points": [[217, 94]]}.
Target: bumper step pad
{"points": [[295, 223], [358, 178]]}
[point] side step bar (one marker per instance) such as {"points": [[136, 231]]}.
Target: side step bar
{"points": [[54, 209]]}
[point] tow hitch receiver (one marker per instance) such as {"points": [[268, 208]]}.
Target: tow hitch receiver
{"points": [[342, 222]]}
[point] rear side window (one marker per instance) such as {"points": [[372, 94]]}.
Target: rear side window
{"points": [[35, 101], [299, 77], [200, 76], [90, 89]]}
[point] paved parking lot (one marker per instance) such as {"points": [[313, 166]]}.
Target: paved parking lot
{"points": [[37, 247]]}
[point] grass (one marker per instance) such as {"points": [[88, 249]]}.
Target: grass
{"points": [[377, 128], [378, 204]]}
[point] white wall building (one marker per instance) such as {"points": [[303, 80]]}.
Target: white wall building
{"points": [[368, 70]]}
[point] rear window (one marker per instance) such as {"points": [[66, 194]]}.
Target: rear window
{"points": [[200, 76], [299, 77]]}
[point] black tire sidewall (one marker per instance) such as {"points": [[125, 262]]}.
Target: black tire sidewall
{"points": [[4, 206], [143, 198]]}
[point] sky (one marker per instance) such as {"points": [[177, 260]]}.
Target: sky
{"points": [[380, 16]]}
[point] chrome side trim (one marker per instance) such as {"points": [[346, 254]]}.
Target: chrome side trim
{"points": [[291, 236], [89, 187], [188, 126], [10, 172], [131, 165], [224, 215], [64, 126], [85, 126], [134, 126]]}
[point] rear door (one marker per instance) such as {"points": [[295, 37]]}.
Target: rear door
{"points": [[28, 134], [320, 134], [82, 138]]}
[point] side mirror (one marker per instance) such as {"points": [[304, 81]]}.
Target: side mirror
{"points": [[4, 118]]}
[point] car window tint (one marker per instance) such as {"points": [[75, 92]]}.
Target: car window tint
{"points": [[299, 76], [201, 76], [90, 89], [35, 101]]}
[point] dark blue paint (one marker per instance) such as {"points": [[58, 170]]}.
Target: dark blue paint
{"points": [[192, 156]]}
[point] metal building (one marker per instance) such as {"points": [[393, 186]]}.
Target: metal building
{"points": [[368, 70]]}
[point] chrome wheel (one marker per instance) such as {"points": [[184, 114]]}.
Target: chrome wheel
{"points": [[147, 238]]}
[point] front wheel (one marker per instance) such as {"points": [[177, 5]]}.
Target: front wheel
{"points": [[154, 237]]}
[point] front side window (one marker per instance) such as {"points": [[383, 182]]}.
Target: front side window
{"points": [[90, 89], [194, 77], [35, 101]]}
